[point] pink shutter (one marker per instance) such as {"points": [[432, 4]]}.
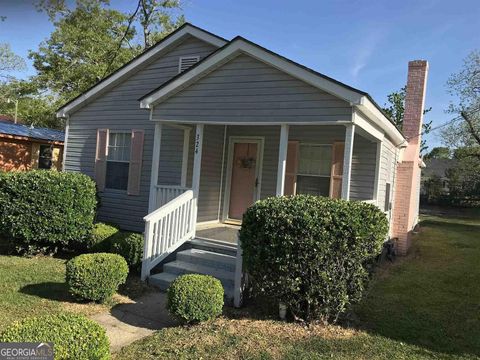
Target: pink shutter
{"points": [[135, 170], [290, 187], [101, 158]]}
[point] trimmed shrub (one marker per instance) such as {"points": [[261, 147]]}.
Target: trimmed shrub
{"points": [[96, 276], [47, 208], [311, 253], [102, 237], [195, 298], [130, 246], [74, 336]]}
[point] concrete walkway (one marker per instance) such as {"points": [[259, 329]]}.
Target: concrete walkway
{"points": [[129, 322]]}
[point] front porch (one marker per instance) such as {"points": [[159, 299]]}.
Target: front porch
{"points": [[204, 176]]}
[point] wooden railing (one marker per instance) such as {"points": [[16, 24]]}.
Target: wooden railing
{"points": [[167, 228], [166, 193]]}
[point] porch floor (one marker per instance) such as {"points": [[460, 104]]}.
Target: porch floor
{"points": [[221, 232]]}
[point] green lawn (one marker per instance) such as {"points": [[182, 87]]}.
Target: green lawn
{"points": [[425, 306], [35, 286]]}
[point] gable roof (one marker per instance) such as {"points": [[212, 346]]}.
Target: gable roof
{"points": [[124, 71], [8, 128], [360, 99]]}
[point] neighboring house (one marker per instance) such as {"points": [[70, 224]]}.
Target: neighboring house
{"points": [[25, 147], [436, 168], [197, 128]]}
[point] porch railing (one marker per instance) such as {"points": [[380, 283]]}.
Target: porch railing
{"points": [[167, 228], [166, 193]]}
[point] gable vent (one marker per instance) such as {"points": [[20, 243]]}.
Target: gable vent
{"points": [[187, 61]]}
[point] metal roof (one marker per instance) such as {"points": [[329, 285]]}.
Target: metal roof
{"points": [[8, 128]]}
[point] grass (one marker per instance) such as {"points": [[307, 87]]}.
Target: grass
{"points": [[36, 286], [424, 306]]}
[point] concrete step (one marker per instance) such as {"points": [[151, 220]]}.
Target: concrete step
{"points": [[180, 267], [163, 281], [207, 258], [214, 246]]}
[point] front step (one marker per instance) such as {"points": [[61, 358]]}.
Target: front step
{"points": [[207, 258]]}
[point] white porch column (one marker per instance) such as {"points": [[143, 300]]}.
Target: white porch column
{"points": [[197, 160], [282, 159], [157, 139], [186, 147], [347, 161]]}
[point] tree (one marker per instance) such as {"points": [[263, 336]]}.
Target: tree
{"points": [[34, 108], [465, 87], [9, 61], [83, 46], [439, 152], [395, 109]]}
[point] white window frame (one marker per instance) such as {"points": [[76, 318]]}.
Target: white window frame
{"points": [[110, 133], [299, 159]]}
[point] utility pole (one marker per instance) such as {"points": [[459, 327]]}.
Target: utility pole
{"points": [[16, 108]]}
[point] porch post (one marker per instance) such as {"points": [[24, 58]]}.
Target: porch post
{"points": [[347, 161], [186, 147], [282, 159], [152, 200], [197, 164]]}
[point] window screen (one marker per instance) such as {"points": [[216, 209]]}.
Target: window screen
{"points": [[118, 160], [314, 168]]}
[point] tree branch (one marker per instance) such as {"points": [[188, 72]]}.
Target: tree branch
{"points": [[471, 128]]}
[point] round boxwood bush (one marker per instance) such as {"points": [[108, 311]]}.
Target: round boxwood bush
{"points": [[130, 246], [47, 208], [74, 336], [195, 298], [311, 253], [96, 276], [102, 237]]}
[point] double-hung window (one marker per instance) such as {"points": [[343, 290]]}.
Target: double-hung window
{"points": [[118, 160], [314, 169]]}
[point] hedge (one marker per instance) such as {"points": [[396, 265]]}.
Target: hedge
{"points": [[130, 246], [97, 276], [74, 336], [47, 208], [102, 237], [311, 253], [195, 298]]}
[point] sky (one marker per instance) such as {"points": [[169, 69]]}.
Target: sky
{"points": [[364, 43]]}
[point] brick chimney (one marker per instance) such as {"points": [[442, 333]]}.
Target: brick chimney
{"points": [[407, 180]]}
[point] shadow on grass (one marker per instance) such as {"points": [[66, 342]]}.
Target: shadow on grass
{"points": [[55, 291]]}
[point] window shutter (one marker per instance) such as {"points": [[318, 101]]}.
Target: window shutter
{"points": [[187, 61], [337, 170], [101, 158], [291, 169], [135, 169]]}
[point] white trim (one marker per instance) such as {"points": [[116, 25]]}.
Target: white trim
{"points": [[220, 193], [157, 139], [64, 155], [186, 148], [161, 47], [370, 110], [377, 171], [347, 161], [371, 130], [282, 159], [260, 123], [238, 46], [260, 140]]}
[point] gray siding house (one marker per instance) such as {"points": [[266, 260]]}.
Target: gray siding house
{"points": [[182, 139]]}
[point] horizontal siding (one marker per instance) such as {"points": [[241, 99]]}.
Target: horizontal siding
{"points": [[364, 158], [248, 90], [387, 171], [119, 109]]}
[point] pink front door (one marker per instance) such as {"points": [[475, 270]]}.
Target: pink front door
{"points": [[244, 178]]}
